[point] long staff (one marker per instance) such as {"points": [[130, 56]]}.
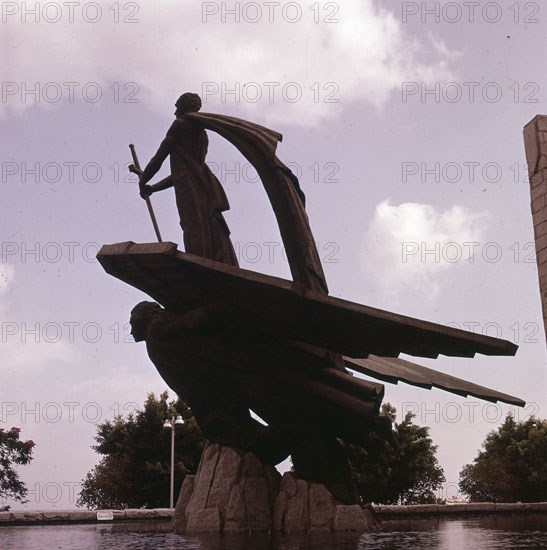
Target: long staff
{"points": [[135, 168]]}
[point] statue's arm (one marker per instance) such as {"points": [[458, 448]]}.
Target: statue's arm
{"points": [[165, 149], [165, 183], [156, 161]]}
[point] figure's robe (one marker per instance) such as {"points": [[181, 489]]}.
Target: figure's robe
{"points": [[199, 195]]}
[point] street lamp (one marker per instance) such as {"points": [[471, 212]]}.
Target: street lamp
{"points": [[171, 423]]}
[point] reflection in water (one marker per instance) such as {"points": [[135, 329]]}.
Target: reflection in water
{"points": [[487, 532], [495, 532]]}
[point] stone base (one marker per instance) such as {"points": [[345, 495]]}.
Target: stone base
{"points": [[304, 506], [233, 491]]}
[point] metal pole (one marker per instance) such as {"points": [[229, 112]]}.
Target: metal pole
{"points": [[172, 463]]}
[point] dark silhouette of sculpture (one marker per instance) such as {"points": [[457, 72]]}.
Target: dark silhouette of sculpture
{"points": [[223, 370], [230, 341], [201, 198], [199, 195]]}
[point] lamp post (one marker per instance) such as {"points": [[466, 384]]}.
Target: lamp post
{"points": [[171, 423]]}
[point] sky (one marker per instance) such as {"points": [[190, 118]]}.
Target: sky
{"points": [[403, 121]]}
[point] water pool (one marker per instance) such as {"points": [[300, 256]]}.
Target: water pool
{"points": [[469, 533]]}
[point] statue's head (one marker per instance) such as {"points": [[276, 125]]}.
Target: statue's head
{"points": [[141, 315], [188, 103]]}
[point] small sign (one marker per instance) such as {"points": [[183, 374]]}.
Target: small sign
{"points": [[105, 515]]}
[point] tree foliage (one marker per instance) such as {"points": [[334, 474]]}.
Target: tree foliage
{"points": [[385, 474], [512, 466], [13, 451], [135, 469]]}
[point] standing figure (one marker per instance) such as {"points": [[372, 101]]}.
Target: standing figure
{"points": [[199, 195]]}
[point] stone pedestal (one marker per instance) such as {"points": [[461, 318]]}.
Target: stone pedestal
{"points": [[233, 491], [304, 506]]}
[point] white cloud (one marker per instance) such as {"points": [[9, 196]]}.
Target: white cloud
{"points": [[7, 274], [412, 245], [442, 49], [363, 57]]}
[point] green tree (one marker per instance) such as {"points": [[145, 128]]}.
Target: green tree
{"points": [[512, 466], [134, 471], [384, 474], [13, 451]]}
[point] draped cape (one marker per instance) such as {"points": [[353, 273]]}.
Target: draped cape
{"points": [[258, 145]]}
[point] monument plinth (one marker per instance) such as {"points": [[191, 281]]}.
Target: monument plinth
{"points": [[235, 492]]}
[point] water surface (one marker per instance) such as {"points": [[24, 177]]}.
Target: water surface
{"points": [[469, 533]]}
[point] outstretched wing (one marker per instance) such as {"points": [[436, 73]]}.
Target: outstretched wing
{"points": [[290, 311]]}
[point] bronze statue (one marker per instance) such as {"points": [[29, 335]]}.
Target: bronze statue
{"points": [[199, 195], [201, 198], [230, 341]]}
